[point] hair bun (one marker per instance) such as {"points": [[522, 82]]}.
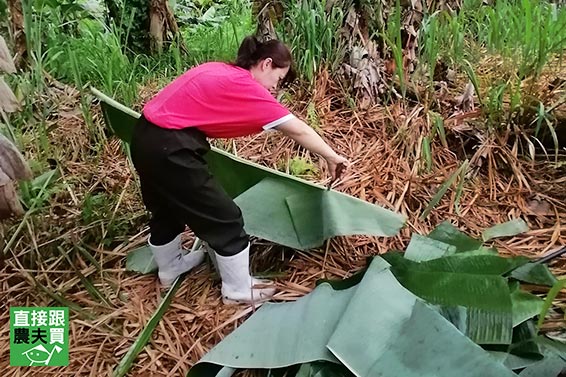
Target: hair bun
{"points": [[252, 50]]}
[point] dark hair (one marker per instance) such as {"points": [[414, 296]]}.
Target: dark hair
{"points": [[252, 51]]}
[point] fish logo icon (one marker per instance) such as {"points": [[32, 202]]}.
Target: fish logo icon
{"points": [[39, 354]]}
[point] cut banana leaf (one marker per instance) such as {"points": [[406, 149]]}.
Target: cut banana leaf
{"points": [[474, 264], [321, 215], [266, 214], [448, 233], [510, 228], [423, 248], [252, 185], [465, 263], [525, 305], [486, 297], [534, 273], [387, 331], [281, 335], [141, 260]]}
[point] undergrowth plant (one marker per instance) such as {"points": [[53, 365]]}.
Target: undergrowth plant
{"points": [[511, 44], [311, 29]]}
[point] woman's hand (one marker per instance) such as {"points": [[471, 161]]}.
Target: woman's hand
{"points": [[336, 166], [299, 131]]}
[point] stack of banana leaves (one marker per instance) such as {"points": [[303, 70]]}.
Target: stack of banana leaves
{"points": [[447, 306]]}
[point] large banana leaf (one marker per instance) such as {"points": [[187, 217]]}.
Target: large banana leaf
{"points": [[373, 328], [280, 335], [268, 197], [490, 315], [473, 282], [302, 217], [425, 344]]}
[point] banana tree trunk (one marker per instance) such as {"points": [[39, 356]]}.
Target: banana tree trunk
{"points": [[162, 26]]}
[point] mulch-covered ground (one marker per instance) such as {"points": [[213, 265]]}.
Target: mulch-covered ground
{"points": [[384, 144]]}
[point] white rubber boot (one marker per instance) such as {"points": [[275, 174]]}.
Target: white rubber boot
{"points": [[238, 286], [172, 260]]}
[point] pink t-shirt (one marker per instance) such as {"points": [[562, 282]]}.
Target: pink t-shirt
{"points": [[220, 99]]}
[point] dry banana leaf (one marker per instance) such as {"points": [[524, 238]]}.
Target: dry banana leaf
{"points": [[6, 61], [12, 162], [8, 101], [9, 201]]}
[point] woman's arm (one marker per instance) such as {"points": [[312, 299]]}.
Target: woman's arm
{"points": [[299, 131]]}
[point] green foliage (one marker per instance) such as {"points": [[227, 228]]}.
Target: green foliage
{"points": [[529, 33], [300, 167], [523, 36], [214, 30], [3, 9], [36, 193], [392, 36], [94, 207], [312, 32]]}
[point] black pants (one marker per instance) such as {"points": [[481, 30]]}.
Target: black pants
{"points": [[178, 189]]}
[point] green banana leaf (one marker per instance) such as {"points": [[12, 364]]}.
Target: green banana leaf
{"points": [[474, 264], [422, 248], [525, 305], [141, 260], [302, 217], [465, 282], [490, 316], [281, 335], [376, 327], [448, 233], [534, 273], [387, 331], [265, 194], [510, 228]]}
